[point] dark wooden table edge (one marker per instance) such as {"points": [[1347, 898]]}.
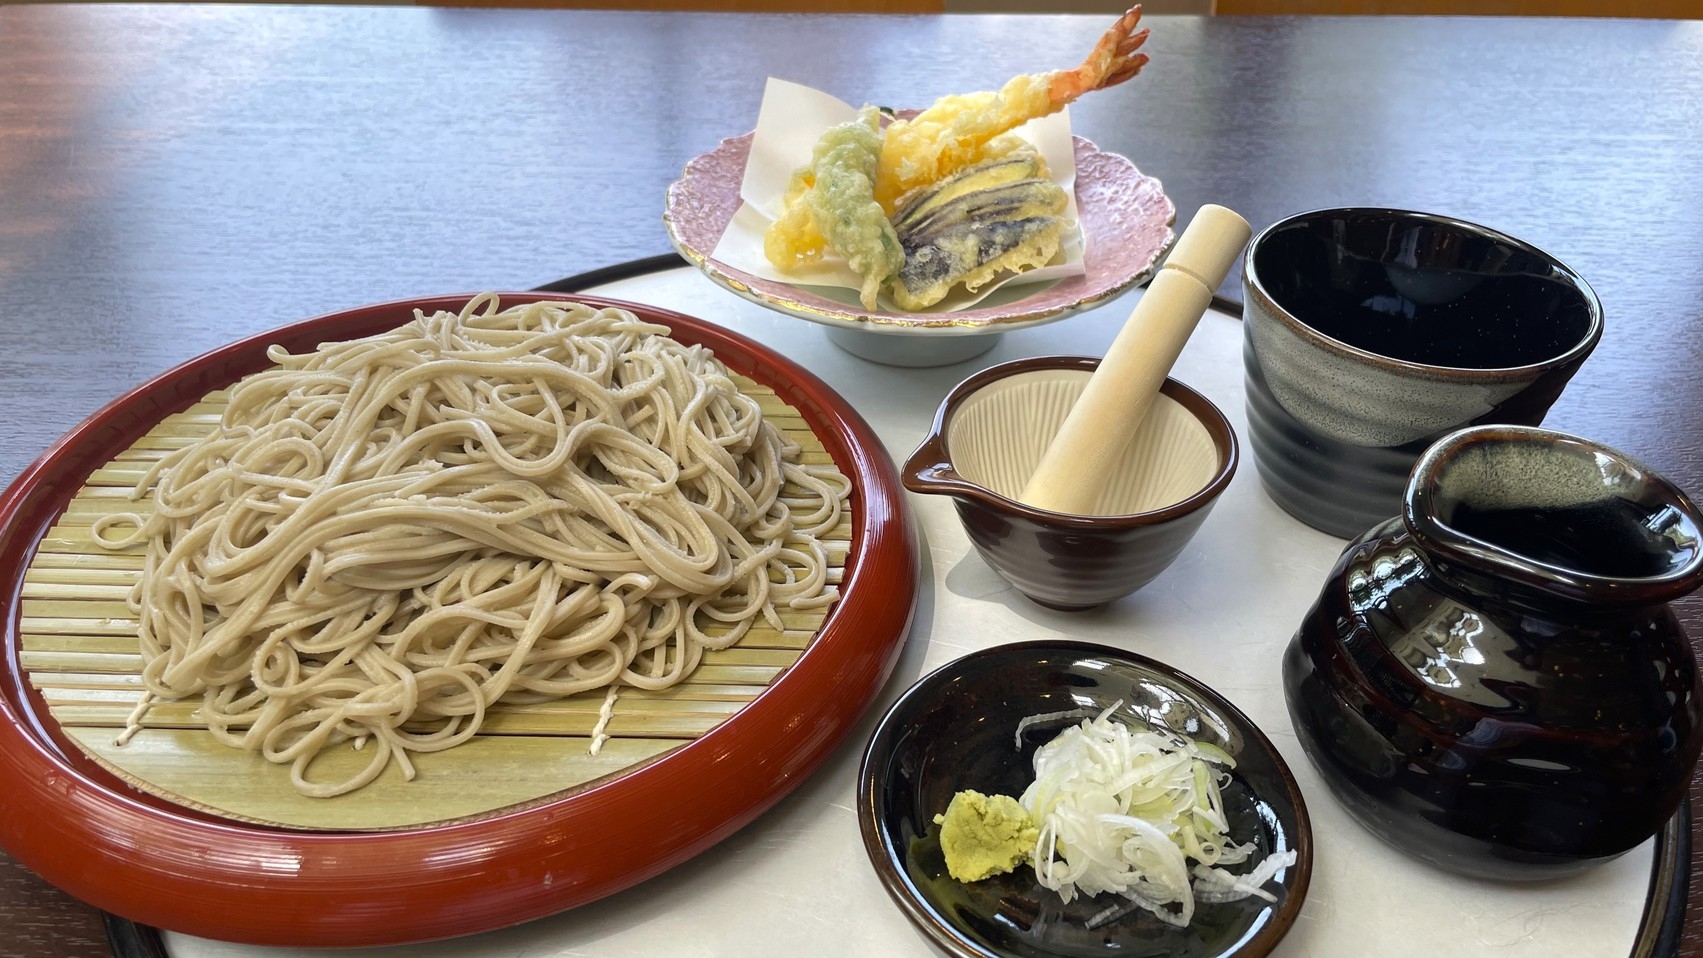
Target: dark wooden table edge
{"points": [[1659, 928]]}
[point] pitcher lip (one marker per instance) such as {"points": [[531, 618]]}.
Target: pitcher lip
{"points": [[1420, 517]]}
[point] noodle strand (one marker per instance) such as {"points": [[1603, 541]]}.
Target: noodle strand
{"points": [[386, 537]]}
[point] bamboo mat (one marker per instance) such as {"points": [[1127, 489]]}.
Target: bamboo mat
{"points": [[80, 650]]}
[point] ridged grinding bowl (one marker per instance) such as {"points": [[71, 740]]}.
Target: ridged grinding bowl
{"points": [[989, 436]]}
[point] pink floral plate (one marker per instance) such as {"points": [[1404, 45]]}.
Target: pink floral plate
{"points": [[1124, 214]]}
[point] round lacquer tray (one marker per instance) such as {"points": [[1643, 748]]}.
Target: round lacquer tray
{"points": [[128, 840]]}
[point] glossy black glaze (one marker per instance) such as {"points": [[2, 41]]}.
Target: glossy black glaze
{"points": [[1423, 289], [954, 730], [1479, 700], [1385, 319], [1336, 487]]}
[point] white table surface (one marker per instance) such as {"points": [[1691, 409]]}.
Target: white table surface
{"points": [[797, 882]]}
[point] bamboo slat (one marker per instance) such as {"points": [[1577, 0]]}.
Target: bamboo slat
{"points": [[80, 651], [467, 781]]}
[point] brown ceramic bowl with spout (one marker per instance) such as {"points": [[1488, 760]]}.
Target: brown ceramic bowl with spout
{"points": [[988, 437]]}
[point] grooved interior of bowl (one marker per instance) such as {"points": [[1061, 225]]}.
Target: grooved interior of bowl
{"points": [[997, 436]]}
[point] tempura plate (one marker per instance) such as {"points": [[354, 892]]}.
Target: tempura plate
{"points": [[164, 863], [1124, 215]]}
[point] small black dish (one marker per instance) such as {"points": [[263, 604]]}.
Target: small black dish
{"points": [[955, 730]]}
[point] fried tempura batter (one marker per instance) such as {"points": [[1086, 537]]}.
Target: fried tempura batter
{"points": [[834, 203], [965, 129], [860, 172]]}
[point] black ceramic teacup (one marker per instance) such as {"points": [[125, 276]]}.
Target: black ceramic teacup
{"points": [[1370, 333]]}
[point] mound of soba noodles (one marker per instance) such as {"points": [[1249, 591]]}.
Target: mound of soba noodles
{"points": [[387, 536]]}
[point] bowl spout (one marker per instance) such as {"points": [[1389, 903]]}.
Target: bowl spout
{"points": [[993, 429], [1546, 512]]}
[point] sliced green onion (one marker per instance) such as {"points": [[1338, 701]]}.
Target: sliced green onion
{"points": [[1126, 810]]}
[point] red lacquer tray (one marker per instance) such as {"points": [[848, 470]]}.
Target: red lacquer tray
{"points": [[159, 863]]}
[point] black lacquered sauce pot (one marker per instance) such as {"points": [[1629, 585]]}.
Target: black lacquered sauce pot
{"points": [[1493, 682]]}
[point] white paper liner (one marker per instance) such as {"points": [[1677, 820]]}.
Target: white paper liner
{"points": [[790, 120]]}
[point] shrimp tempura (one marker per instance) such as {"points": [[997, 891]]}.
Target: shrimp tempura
{"points": [[962, 130]]}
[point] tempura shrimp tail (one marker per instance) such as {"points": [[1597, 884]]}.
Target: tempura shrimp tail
{"points": [[1113, 60], [963, 130]]}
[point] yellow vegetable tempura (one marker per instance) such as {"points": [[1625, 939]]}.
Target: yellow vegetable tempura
{"points": [[838, 208]]}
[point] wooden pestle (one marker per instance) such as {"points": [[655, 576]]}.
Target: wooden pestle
{"points": [[1077, 464]]}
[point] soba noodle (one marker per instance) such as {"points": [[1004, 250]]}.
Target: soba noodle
{"points": [[387, 536]]}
